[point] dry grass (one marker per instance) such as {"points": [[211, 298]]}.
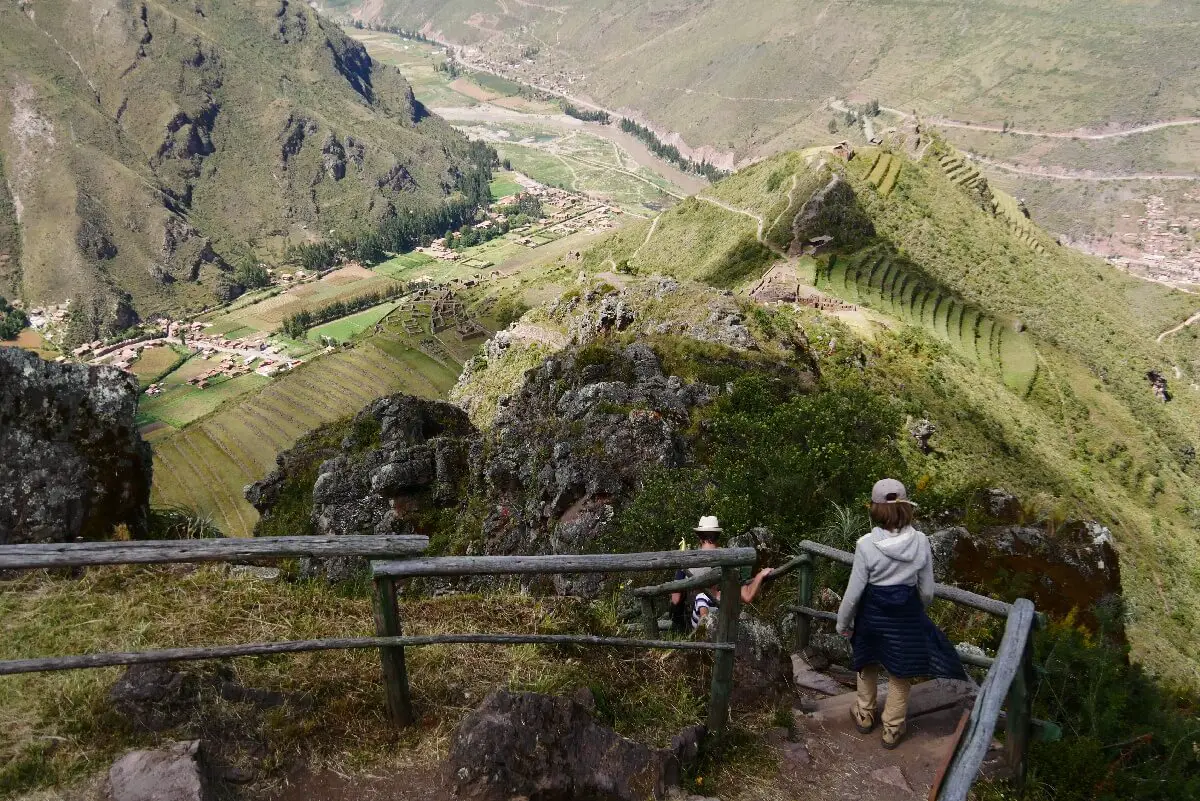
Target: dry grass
{"points": [[59, 728]]}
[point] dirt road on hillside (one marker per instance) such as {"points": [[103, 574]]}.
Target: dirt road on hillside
{"points": [[1063, 174]]}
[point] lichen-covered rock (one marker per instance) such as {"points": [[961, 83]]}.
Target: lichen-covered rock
{"points": [[571, 445], [74, 464], [378, 473], [548, 748], [420, 457]]}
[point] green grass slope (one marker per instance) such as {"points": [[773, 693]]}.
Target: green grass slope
{"points": [[142, 144]]}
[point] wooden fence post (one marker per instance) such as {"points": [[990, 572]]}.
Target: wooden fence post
{"points": [[649, 618], [727, 624], [1019, 723], [803, 622], [395, 677]]}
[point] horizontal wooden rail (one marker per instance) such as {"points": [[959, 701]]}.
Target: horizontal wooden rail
{"points": [[141, 552], [977, 739], [564, 563], [706, 579], [14, 666], [954, 594]]}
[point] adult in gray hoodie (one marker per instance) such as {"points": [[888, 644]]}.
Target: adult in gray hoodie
{"points": [[883, 613]]}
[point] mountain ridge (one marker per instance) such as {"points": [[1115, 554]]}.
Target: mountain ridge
{"points": [[172, 140]]}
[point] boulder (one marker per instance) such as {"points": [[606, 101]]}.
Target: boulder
{"points": [[154, 697], [74, 463], [573, 443], [173, 773], [550, 749]]}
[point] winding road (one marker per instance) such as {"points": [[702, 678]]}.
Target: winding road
{"points": [[1178, 328]]}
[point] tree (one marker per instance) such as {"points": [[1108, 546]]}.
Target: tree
{"points": [[12, 321], [250, 274], [833, 126]]}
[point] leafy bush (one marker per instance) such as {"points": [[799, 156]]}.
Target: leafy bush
{"points": [[767, 457], [1125, 737], [11, 320]]}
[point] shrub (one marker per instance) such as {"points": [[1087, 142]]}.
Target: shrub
{"points": [[766, 457]]}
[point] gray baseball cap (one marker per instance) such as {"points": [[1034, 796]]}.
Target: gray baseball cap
{"points": [[889, 490]]}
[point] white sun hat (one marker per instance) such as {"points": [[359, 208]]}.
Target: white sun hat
{"points": [[708, 523]]}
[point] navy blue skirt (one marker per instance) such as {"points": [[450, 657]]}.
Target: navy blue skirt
{"points": [[892, 630]]}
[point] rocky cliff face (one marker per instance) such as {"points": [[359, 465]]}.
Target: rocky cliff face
{"points": [[73, 462], [570, 446], [564, 454]]}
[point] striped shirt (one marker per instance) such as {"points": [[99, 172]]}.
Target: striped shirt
{"points": [[703, 601]]}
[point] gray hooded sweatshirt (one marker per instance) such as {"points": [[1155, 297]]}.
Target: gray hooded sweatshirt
{"points": [[887, 558]]}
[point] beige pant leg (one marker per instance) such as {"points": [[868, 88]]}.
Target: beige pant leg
{"points": [[895, 708], [868, 687]]}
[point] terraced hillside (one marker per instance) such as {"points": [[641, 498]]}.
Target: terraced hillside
{"points": [[881, 280], [967, 176], [1050, 348], [205, 466]]}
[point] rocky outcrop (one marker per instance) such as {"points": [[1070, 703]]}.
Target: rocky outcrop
{"points": [[550, 749], [415, 456], [572, 443], [154, 697], [74, 464], [173, 773]]}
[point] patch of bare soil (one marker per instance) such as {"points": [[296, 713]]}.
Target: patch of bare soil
{"points": [[403, 784]]}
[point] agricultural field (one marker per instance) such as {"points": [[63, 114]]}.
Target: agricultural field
{"points": [[155, 363], [205, 465], [504, 186], [560, 151], [418, 62], [181, 403], [349, 327], [881, 280], [266, 315]]}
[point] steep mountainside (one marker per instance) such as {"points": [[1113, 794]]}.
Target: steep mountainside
{"points": [[146, 145], [755, 77], [1038, 367]]}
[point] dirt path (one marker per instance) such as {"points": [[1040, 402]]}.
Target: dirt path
{"points": [[756, 217], [1177, 328], [645, 241], [1140, 129], [1061, 174]]}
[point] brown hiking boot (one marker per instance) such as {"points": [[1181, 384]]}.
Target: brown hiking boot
{"points": [[863, 721], [892, 739]]}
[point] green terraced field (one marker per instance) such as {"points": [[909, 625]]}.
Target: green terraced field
{"points": [[882, 281], [205, 465]]}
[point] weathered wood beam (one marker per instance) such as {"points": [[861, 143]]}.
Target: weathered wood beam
{"points": [[954, 594], [726, 634], [45, 664], [143, 552], [964, 768], [565, 563], [709, 579]]}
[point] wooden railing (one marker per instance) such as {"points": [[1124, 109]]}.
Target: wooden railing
{"points": [[1009, 677], [1008, 680], [727, 560], [387, 574]]}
